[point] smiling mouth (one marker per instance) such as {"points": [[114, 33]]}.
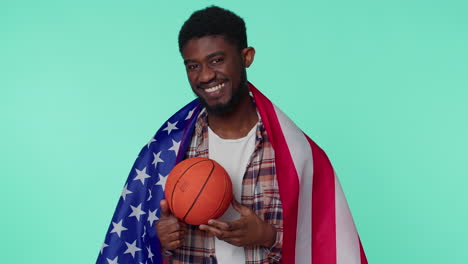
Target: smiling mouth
{"points": [[214, 88]]}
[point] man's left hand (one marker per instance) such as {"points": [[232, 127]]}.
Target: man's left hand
{"points": [[248, 230]]}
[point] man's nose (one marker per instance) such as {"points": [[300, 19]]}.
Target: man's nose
{"points": [[207, 74]]}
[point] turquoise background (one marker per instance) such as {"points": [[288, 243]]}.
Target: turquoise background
{"points": [[380, 85]]}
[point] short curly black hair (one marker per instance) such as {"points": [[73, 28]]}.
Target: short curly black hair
{"points": [[214, 20]]}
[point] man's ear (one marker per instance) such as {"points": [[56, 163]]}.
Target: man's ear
{"points": [[248, 55]]}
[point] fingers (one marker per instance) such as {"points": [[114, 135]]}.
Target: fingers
{"points": [[173, 240], [170, 230], [227, 231], [220, 234], [176, 236], [173, 244], [237, 225], [170, 224], [165, 212], [248, 230], [171, 233], [226, 226], [214, 231], [182, 225]]}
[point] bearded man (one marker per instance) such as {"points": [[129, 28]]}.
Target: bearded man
{"points": [[288, 206]]}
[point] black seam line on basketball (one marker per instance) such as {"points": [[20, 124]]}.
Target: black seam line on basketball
{"points": [[201, 190], [177, 182], [222, 201]]}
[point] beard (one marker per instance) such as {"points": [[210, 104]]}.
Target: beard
{"points": [[228, 107]]}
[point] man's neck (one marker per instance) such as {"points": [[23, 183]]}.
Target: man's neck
{"points": [[237, 123]]}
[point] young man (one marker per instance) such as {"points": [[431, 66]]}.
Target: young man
{"points": [[267, 157], [214, 47]]}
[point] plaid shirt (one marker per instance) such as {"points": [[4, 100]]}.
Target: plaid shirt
{"points": [[259, 192]]}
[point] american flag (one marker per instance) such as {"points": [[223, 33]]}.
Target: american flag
{"points": [[317, 224], [131, 237]]}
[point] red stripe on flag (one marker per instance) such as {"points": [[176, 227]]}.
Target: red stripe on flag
{"points": [[288, 181], [323, 208], [363, 254]]}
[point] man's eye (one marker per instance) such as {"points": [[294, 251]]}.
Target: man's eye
{"points": [[217, 60], [192, 66]]}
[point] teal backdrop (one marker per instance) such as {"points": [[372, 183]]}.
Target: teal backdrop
{"points": [[380, 85]]}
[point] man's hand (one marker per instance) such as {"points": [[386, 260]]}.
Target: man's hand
{"points": [[170, 230], [248, 230]]}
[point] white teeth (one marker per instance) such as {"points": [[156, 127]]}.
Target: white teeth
{"points": [[214, 88]]}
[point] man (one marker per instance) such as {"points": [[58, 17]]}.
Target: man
{"points": [[215, 65], [267, 157]]}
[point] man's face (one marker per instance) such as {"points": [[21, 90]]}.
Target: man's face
{"points": [[216, 71]]}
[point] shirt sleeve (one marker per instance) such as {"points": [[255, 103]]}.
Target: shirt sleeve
{"points": [[274, 253], [274, 216]]}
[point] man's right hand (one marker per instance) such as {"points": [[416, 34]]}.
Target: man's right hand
{"points": [[170, 230]]}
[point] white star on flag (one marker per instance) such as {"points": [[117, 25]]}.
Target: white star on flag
{"points": [[103, 246], [162, 181], [136, 212], [150, 254], [118, 228], [157, 159], [141, 175], [132, 248], [190, 113], [114, 261], [149, 142], [150, 195], [125, 192], [175, 146], [152, 217], [170, 127]]}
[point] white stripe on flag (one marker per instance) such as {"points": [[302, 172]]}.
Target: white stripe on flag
{"points": [[300, 152], [347, 241]]}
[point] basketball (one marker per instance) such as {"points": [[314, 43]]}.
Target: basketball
{"points": [[198, 189]]}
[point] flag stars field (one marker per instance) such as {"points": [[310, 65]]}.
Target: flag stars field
{"points": [[129, 240], [190, 114], [157, 159], [141, 175], [104, 245], [152, 217], [132, 248], [175, 146], [150, 195], [149, 142], [150, 254], [113, 261], [125, 191], [118, 228], [162, 181], [170, 127], [136, 212]]}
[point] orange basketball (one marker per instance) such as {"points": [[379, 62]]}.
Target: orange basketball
{"points": [[198, 189]]}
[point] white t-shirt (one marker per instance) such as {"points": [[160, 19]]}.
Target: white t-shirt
{"points": [[234, 155]]}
